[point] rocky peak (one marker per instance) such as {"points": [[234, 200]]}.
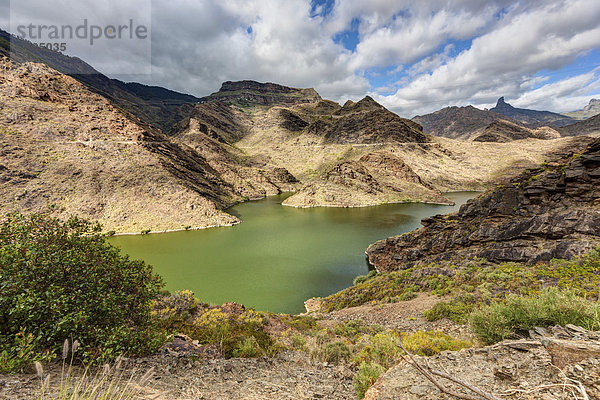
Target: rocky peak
{"points": [[502, 104], [531, 118], [366, 104], [593, 104]]}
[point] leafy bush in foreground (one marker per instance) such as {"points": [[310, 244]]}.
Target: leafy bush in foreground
{"points": [[518, 314], [63, 280]]}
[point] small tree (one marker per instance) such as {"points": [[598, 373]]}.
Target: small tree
{"points": [[62, 280]]}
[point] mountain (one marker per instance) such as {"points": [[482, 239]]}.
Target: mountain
{"points": [[548, 212], [153, 105], [366, 122], [251, 93], [588, 126], [502, 131], [190, 158], [64, 145], [457, 122], [593, 108], [531, 118]]}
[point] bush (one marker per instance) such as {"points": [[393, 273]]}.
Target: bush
{"points": [[237, 333], [366, 376], [334, 352], [63, 280], [363, 278], [381, 349], [518, 314], [18, 355], [431, 343], [457, 309]]}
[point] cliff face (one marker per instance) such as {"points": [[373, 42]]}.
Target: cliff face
{"points": [[551, 212], [251, 94]]}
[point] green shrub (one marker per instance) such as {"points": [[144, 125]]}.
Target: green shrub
{"points": [[64, 280], [19, 355], [431, 343], [354, 328], [249, 347], [300, 322], [334, 352], [380, 348], [363, 278], [457, 309], [366, 376], [239, 333], [517, 314]]}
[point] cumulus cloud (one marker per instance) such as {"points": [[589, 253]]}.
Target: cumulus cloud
{"points": [[500, 61], [433, 53]]}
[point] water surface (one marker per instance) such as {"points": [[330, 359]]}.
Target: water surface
{"points": [[279, 256]]}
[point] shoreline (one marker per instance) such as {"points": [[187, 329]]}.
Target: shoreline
{"points": [[197, 228], [370, 205], [194, 228]]}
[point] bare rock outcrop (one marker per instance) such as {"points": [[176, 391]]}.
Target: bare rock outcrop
{"points": [[558, 363], [550, 212]]}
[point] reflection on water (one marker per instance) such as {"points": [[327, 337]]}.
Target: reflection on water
{"points": [[279, 256]]}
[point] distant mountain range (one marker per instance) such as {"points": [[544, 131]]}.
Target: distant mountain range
{"points": [[593, 108], [503, 122], [156, 106], [531, 118]]}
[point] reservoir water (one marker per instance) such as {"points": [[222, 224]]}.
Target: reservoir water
{"points": [[279, 256]]}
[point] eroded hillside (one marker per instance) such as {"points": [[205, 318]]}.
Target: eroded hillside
{"points": [[65, 146]]}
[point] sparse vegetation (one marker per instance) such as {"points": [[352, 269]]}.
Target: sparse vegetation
{"points": [[365, 377], [471, 284], [235, 332], [517, 314], [105, 384]]}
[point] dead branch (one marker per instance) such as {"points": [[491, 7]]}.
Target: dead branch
{"points": [[429, 372]]}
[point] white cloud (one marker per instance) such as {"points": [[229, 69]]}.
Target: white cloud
{"points": [[564, 95], [498, 62], [198, 44]]}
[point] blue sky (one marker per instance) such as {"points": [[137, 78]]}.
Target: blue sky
{"points": [[412, 56]]}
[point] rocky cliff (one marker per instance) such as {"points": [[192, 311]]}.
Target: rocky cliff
{"points": [[252, 93], [549, 212], [64, 145], [375, 178], [366, 122]]}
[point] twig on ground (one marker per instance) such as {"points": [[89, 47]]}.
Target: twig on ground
{"points": [[429, 372]]}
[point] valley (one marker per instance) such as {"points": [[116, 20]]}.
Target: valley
{"points": [[232, 234]]}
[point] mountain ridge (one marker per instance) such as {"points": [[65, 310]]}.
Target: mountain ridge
{"points": [[531, 118]]}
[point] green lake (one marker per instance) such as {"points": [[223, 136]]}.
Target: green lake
{"points": [[279, 256]]}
